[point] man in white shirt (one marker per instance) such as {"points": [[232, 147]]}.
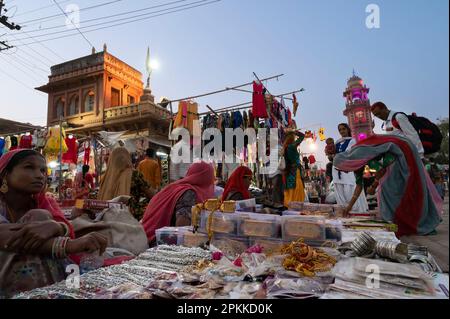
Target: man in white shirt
{"points": [[398, 126]]}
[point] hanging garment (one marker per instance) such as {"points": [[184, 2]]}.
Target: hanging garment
{"points": [[237, 119], [181, 117], [14, 143], [322, 134], [295, 104], [259, 104], [87, 152], [245, 118], [308, 134], [26, 141], [289, 117], [220, 123], [71, 156], [192, 115], [228, 123], [7, 144], [2, 146], [306, 162], [311, 159], [251, 119], [274, 122], [34, 139], [54, 142]]}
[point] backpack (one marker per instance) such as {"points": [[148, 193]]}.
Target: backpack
{"points": [[429, 133]]}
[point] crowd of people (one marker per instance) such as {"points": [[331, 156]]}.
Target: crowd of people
{"points": [[36, 239]]}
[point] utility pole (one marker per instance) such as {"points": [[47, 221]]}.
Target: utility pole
{"points": [[6, 23], [4, 46], [4, 19]]}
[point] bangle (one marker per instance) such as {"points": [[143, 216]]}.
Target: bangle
{"points": [[59, 248], [66, 229]]}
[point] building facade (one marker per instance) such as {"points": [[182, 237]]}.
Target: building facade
{"points": [[357, 108], [99, 92]]}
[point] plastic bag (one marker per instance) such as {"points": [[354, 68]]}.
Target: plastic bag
{"points": [[299, 288]]}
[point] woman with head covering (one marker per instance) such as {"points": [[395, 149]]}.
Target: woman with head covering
{"points": [[172, 206], [406, 195], [238, 184], [121, 180], [344, 182], [294, 188], [34, 235]]}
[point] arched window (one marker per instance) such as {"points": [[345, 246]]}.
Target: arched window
{"points": [[89, 101], [74, 105], [59, 108]]}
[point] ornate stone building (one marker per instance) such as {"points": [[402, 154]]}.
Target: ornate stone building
{"points": [[99, 92], [357, 108]]}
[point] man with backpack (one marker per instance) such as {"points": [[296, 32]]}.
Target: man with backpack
{"points": [[424, 134]]}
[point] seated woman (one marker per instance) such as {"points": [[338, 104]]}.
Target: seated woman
{"points": [[121, 180], [172, 206], [84, 183], [406, 195], [238, 184], [35, 238]]}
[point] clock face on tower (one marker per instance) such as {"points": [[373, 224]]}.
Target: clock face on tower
{"points": [[360, 117]]}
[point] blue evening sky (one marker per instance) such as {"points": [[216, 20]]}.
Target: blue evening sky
{"points": [[316, 44]]}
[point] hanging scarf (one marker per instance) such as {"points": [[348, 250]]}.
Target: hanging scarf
{"points": [[159, 212], [42, 201], [236, 183]]}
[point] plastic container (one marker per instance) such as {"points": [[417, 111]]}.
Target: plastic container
{"points": [[296, 206], [270, 245], [333, 230], [339, 210], [311, 207], [170, 235], [259, 225], [189, 239], [230, 246], [303, 227], [222, 223], [248, 205]]}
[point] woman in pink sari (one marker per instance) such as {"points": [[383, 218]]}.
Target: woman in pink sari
{"points": [[172, 206], [35, 237]]}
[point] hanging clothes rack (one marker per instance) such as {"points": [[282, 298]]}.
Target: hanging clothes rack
{"points": [[224, 90]]}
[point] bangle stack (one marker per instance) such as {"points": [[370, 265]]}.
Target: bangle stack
{"points": [[59, 248]]}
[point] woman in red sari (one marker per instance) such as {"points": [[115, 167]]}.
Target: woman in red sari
{"points": [[34, 235], [172, 206], [238, 185]]}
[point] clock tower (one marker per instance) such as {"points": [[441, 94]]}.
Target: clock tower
{"points": [[357, 108]]}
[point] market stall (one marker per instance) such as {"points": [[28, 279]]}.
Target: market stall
{"points": [[309, 252]]}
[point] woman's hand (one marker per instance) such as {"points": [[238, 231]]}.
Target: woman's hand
{"points": [[89, 243], [29, 237]]}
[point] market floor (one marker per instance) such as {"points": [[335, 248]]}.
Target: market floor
{"points": [[437, 244]]}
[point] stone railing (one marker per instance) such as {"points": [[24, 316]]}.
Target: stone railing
{"points": [[122, 111]]}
